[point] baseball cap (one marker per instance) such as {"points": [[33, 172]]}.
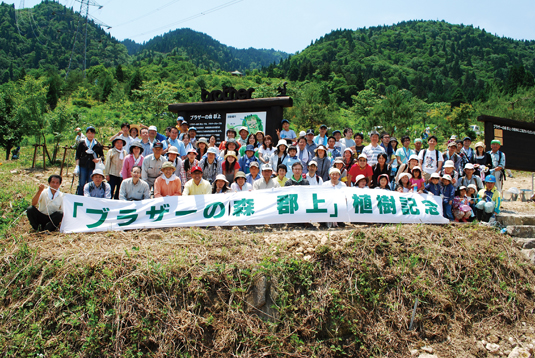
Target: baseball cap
{"points": [[447, 177], [449, 164], [495, 141], [254, 164], [158, 145], [362, 155], [180, 118], [334, 170], [192, 129], [153, 128], [267, 167], [212, 150], [302, 134], [312, 162], [285, 121], [323, 126], [310, 131], [90, 128], [435, 176], [250, 148], [336, 131], [469, 166], [415, 157], [196, 169]]}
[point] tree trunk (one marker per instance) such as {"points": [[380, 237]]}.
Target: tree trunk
{"points": [[55, 153], [46, 149]]}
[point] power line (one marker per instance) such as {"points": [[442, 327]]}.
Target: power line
{"points": [[230, 3], [147, 14]]}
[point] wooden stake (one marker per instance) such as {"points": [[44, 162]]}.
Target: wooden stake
{"points": [[44, 158], [63, 161], [34, 155]]}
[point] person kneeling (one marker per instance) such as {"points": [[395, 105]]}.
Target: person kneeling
{"points": [[489, 200], [167, 184], [46, 211], [134, 188], [97, 187]]}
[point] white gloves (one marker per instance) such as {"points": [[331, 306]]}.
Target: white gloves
{"points": [[77, 170]]}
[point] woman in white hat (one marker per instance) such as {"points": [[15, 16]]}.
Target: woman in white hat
{"points": [[279, 155], [240, 183], [449, 168], [404, 183], [202, 148], [220, 185], [173, 156], [323, 162], [167, 184]]}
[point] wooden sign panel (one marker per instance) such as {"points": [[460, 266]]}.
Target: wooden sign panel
{"points": [[517, 140]]}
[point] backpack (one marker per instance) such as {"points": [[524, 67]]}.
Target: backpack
{"points": [[425, 152]]}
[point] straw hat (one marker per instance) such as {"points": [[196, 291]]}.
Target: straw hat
{"points": [[168, 165], [231, 154]]}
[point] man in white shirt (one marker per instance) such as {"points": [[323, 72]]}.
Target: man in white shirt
{"points": [[431, 159], [46, 211], [334, 174], [266, 182], [311, 176], [373, 149]]}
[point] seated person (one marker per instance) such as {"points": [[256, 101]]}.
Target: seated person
{"points": [[134, 189], [197, 185], [97, 188], [254, 173], [297, 177], [46, 211], [334, 174], [167, 184], [312, 177], [434, 186], [404, 183], [361, 181], [488, 200], [220, 185], [266, 182], [383, 182], [240, 184], [281, 175], [461, 206]]}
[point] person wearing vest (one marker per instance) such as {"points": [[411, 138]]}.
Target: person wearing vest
{"points": [[88, 153], [468, 155], [114, 165], [152, 164], [210, 166], [97, 188]]}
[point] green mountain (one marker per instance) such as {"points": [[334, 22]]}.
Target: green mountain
{"points": [[435, 60], [206, 52], [42, 36]]}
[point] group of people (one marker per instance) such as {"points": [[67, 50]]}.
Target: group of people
{"points": [[143, 163]]}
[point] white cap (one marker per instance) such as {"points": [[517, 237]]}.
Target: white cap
{"points": [[447, 177], [312, 162], [449, 164], [362, 155], [359, 178], [153, 128], [435, 176], [414, 156], [302, 134], [334, 170], [267, 167], [469, 166]]}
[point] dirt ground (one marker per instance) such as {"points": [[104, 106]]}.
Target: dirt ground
{"points": [[520, 180]]}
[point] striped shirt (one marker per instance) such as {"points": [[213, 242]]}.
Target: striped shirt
{"points": [[372, 153]]}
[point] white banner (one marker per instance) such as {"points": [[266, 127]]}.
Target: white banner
{"points": [[273, 206]]}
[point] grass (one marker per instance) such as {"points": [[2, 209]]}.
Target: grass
{"points": [[259, 291]]}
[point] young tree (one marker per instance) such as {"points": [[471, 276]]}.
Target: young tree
{"points": [[11, 128]]}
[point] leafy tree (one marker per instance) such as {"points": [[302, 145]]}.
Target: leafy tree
{"points": [[395, 110], [11, 128], [135, 83], [459, 118], [119, 74]]}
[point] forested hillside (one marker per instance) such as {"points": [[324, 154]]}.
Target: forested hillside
{"points": [[205, 52], [42, 37], [435, 60]]}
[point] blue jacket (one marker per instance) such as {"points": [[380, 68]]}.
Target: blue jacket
{"points": [[434, 189], [245, 162], [449, 192]]}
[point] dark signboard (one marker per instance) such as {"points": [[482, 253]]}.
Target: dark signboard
{"points": [[215, 117], [517, 139]]}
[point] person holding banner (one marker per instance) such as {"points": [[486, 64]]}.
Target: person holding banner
{"points": [[134, 189], [97, 187], [297, 177], [334, 174], [167, 184], [240, 183], [266, 182], [197, 185], [46, 211], [281, 175]]}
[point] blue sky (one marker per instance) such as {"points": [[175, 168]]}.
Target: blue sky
{"points": [[290, 25]]}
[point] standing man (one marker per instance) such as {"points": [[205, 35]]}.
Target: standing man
{"points": [[266, 182], [347, 141], [418, 143], [404, 153], [311, 176], [80, 137], [124, 134], [134, 189], [97, 187], [192, 131], [152, 164], [244, 133], [373, 149], [46, 211], [179, 121], [468, 155], [197, 185], [183, 129], [385, 143], [322, 137], [311, 146], [154, 137], [88, 153], [359, 147], [451, 154], [146, 143], [431, 159], [173, 141], [498, 163], [302, 153]]}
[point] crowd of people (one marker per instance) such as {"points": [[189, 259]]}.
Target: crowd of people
{"points": [[143, 164]]}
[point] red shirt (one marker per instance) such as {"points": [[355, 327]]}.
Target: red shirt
{"points": [[355, 170]]}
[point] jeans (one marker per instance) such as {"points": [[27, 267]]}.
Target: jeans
{"points": [[84, 178], [115, 184], [447, 211]]}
